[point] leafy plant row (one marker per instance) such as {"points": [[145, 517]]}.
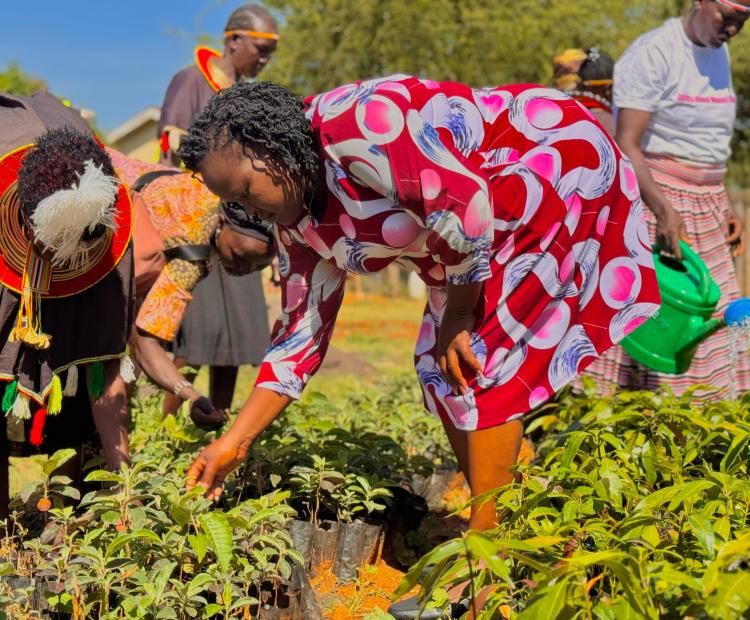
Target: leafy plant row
{"points": [[138, 546], [638, 508]]}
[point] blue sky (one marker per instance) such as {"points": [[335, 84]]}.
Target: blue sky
{"points": [[113, 57]]}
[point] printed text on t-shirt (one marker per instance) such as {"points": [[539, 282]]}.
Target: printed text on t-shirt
{"points": [[702, 99]]}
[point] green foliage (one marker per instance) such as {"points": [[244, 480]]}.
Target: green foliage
{"points": [[339, 459], [479, 42], [326, 43], [53, 489], [315, 484], [219, 534], [639, 508], [141, 547], [17, 82], [360, 496]]}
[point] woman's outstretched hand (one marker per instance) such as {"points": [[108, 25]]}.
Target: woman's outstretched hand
{"points": [[225, 454], [215, 463], [453, 347]]}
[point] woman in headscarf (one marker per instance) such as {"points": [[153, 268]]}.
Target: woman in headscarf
{"points": [[179, 230], [511, 203]]}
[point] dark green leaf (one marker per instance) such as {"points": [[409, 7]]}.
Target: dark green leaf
{"points": [[219, 534]]}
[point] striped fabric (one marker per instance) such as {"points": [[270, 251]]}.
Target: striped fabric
{"points": [[39, 273], [699, 196]]}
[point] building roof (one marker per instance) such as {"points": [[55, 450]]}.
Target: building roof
{"points": [[148, 115]]}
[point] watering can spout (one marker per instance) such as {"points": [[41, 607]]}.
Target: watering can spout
{"points": [[698, 330], [736, 314]]}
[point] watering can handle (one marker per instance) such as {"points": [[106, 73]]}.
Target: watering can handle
{"points": [[704, 275]]}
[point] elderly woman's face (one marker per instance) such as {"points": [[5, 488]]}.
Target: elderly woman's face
{"points": [[715, 23], [251, 55], [260, 187]]}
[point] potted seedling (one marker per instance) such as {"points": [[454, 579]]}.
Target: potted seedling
{"points": [[359, 541], [314, 487]]}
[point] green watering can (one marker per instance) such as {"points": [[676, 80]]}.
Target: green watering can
{"points": [[668, 340]]}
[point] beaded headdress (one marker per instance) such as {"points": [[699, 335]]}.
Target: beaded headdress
{"points": [[51, 253]]}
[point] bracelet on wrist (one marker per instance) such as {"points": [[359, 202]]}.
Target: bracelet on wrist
{"points": [[177, 389]]}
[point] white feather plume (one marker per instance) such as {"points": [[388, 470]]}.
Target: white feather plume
{"points": [[61, 219], [127, 369]]}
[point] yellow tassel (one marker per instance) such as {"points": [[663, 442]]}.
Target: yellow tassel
{"points": [[71, 382], [28, 328], [21, 408], [55, 398]]}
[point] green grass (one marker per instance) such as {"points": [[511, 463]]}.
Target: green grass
{"points": [[374, 338], [24, 471], [381, 330]]}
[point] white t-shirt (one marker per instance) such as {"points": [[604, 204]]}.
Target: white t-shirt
{"points": [[688, 88]]}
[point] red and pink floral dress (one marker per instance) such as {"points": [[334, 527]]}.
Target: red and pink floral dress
{"points": [[517, 187]]}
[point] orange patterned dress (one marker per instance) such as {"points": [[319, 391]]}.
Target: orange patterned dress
{"points": [[182, 211]]}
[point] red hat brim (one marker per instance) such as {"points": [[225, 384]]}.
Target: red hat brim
{"points": [[66, 284], [202, 55]]}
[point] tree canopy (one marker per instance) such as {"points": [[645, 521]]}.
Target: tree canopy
{"points": [[16, 81], [480, 42]]}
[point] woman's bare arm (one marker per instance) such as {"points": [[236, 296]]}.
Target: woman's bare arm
{"points": [[631, 125]]}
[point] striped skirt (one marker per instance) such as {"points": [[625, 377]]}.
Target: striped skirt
{"points": [[699, 196]]}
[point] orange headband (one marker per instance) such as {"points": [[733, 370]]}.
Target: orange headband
{"points": [[252, 33], [597, 82]]}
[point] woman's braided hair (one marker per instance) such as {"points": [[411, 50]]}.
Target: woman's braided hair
{"points": [[261, 116]]}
